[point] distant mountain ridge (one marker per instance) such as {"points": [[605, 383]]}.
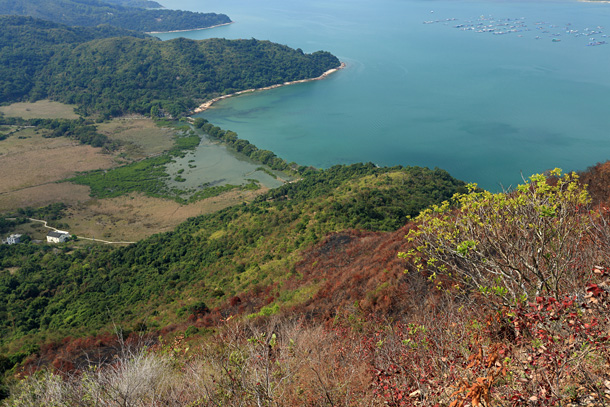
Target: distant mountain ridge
{"points": [[136, 3], [143, 16]]}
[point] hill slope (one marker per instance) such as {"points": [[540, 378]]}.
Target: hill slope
{"points": [[207, 260], [129, 15], [103, 72], [28, 44], [346, 325]]}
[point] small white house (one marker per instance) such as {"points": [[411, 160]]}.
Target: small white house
{"points": [[13, 239], [57, 236]]}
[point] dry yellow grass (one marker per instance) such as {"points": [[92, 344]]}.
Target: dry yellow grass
{"points": [[133, 217], [28, 139], [43, 195], [35, 161], [145, 138], [126, 218], [42, 109], [30, 166]]}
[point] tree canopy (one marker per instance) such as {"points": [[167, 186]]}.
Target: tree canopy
{"points": [[513, 246], [105, 71], [208, 257], [125, 14]]}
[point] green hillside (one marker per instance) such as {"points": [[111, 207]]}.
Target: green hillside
{"points": [[129, 15], [109, 74], [27, 45], [504, 301], [54, 293]]}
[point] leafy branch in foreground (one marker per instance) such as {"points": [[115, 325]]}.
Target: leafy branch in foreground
{"points": [[513, 245]]}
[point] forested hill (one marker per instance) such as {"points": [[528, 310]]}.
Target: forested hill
{"points": [[116, 75], [206, 260], [27, 45], [123, 14]]}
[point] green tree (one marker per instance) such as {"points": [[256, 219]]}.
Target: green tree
{"points": [[514, 245]]}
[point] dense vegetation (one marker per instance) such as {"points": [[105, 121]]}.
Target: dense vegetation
{"points": [[28, 44], [129, 15], [206, 259], [136, 3], [103, 73], [49, 213], [431, 336], [540, 251], [6, 225]]}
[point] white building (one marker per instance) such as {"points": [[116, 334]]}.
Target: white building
{"points": [[57, 236], [13, 239]]}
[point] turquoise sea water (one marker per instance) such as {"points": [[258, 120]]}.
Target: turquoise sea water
{"points": [[485, 107]]}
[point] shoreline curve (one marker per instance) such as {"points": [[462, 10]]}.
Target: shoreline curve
{"points": [[192, 29], [205, 106]]}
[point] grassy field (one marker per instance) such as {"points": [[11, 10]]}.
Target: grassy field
{"points": [[143, 137], [43, 195], [42, 109], [31, 165], [5, 130], [35, 230], [126, 218], [133, 217]]}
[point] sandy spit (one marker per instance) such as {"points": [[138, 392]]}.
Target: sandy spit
{"points": [[209, 103], [192, 29]]}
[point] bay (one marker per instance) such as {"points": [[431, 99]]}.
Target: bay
{"points": [[487, 108]]}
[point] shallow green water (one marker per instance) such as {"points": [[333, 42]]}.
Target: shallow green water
{"points": [[211, 164], [485, 107]]}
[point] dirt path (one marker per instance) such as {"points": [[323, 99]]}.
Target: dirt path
{"points": [[44, 223]]}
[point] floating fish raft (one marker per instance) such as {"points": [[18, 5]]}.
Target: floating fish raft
{"points": [[519, 26]]}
